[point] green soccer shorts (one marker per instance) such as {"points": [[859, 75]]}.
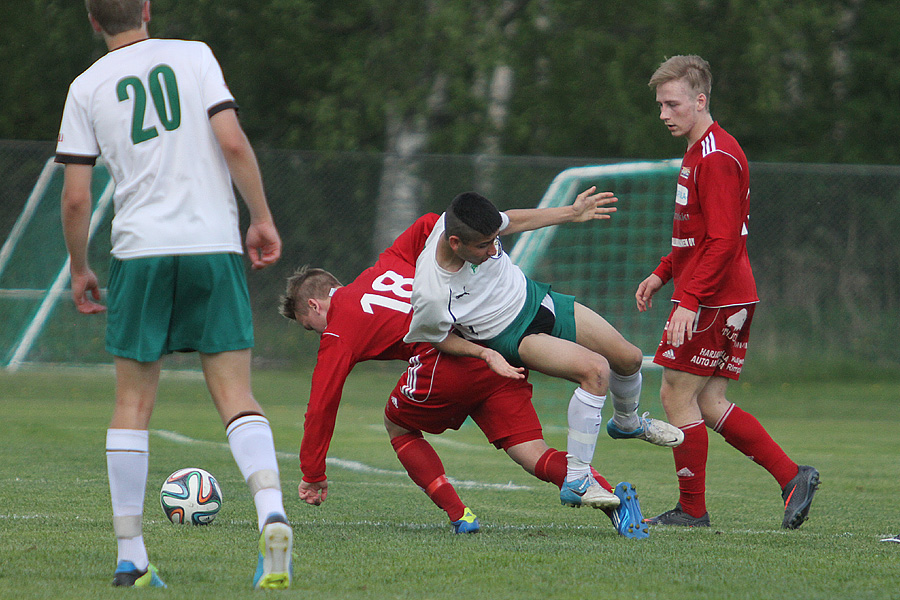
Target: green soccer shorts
{"points": [[507, 343], [163, 304]]}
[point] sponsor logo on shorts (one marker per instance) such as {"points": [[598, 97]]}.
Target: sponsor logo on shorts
{"points": [[733, 325], [670, 354], [708, 361], [394, 401], [735, 365]]}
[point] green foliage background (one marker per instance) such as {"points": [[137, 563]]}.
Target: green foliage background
{"points": [[808, 81]]}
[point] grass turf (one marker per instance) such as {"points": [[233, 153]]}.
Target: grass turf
{"points": [[379, 536]]}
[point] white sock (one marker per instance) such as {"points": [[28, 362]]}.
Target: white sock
{"points": [[253, 448], [268, 501], [127, 462], [625, 392], [584, 425]]}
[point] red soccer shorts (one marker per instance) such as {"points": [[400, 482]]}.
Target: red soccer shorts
{"points": [[439, 391], [718, 345]]}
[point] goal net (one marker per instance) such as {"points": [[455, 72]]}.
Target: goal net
{"points": [[34, 277], [602, 263]]}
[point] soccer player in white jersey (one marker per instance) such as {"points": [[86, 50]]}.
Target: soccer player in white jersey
{"points": [[705, 340], [465, 284], [160, 114], [366, 320]]}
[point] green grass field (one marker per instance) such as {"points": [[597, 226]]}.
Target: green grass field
{"points": [[379, 536]]}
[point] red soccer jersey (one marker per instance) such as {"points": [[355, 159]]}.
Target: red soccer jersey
{"points": [[366, 321], [709, 260]]}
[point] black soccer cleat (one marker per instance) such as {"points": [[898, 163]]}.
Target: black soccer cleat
{"points": [[798, 496], [678, 517]]}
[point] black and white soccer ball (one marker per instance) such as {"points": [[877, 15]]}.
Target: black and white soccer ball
{"points": [[191, 495]]}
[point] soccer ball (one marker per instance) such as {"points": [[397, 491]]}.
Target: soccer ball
{"points": [[191, 495]]}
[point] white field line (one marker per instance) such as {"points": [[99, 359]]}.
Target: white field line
{"points": [[677, 531], [350, 465], [437, 440]]}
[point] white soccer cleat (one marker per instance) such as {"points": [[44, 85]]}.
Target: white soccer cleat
{"points": [[658, 433], [587, 492], [597, 497]]}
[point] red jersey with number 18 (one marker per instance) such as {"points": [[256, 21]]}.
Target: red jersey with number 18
{"points": [[709, 259], [366, 321]]}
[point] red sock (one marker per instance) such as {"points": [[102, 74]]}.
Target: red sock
{"points": [[551, 467], [601, 480], [744, 432], [690, 466], [427, 471]]}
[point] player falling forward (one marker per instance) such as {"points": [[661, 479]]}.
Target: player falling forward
{"points": [[366, 320], [466, 284], [705, 340], [161, 115]]}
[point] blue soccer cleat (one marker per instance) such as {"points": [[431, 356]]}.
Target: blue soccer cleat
{"points": [[627, 518], [128, 575], [276, 542], [468, 523]]}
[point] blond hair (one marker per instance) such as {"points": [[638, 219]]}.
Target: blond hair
{"points": [[693, 69]]}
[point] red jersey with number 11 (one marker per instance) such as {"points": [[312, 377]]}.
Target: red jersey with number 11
{"points": [[709, 260]]}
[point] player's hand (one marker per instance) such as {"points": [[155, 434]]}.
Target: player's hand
{"points": [[645, 291], [85, 287], [589, 205], [313, 493], [263, 244], [681, 327], [498, 365]]}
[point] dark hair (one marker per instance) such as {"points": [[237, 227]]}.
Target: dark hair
{"points": [[117, 16], [471, 217], [304, 284]]}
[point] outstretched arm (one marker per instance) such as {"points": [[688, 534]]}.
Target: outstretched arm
{"points": [[333, 364], [588, 205]]}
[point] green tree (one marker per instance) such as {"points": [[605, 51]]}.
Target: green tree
{"points": [[46, 43], [801, 81]]}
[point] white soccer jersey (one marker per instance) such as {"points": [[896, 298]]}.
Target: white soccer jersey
{"points": [[480, 301], [145, 108]]}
